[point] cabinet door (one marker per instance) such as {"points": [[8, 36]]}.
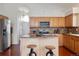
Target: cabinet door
{"points": [[68, 41], [77, 46], [65, 41], [34, 21], [61, 40], [55, 22], [61, 21], [51, 21], [68, 21], [72, 44]]}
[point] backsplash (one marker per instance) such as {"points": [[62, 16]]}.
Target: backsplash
{"points": [[55, 30]]}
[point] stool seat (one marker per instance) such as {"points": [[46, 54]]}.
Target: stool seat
{"points": [[32, 52], [50, 47], [31, 46]]}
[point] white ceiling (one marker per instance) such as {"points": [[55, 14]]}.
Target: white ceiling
{"points": [[62, 6], [37, 9]]}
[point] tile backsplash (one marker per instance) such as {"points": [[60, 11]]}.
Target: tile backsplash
{"points": [[56, 30]]}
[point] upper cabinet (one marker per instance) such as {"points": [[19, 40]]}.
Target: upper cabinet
{"points": [[61, 22], [53, 21], [3, 17], [57, 22], [68, 20], [34, 21]]}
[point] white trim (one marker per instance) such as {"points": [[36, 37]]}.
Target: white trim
{"points": [[68, 12]]}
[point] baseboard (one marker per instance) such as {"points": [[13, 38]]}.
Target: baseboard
{"points": [[70, 50], [61, 46]]}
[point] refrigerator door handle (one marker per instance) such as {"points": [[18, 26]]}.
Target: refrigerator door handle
{"points": [[4, 32]]}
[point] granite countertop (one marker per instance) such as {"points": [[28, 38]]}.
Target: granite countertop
{"points": [[44, 36], [74, 34]]}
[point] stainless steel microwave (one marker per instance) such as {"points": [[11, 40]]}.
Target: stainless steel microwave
{"points": [[44, 24]]}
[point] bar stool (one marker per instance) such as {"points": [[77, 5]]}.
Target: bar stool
{"points": [[32, 52], [50, 48]]}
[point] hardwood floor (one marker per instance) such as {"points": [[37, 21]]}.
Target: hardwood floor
{"points": [[64, 52], [14, 50]]}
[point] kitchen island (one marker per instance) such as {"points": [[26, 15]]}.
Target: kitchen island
{"points": [[41, 42]]}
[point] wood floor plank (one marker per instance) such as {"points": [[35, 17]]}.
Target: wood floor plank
{"points": [[14, 50]]}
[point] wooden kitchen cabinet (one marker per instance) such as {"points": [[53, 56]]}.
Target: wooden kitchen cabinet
{"points": [[68, 20], [68, 41], [77, 45], [61, 22], [71, 42], [64, 41], [34, 21], [61, 40], [55, 22]]}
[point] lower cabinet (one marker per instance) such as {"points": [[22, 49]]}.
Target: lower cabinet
{"points": [[66, 41], [77, 46], [71, 43]]}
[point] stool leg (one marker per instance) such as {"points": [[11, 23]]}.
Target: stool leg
{"points": [[50, 52], [32, 52], [35, 53]]}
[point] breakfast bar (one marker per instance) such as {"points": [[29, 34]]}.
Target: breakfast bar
{"points": [[40, 43]]}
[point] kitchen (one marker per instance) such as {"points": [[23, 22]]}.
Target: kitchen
{"points": [[60, 29], [44, 29]]}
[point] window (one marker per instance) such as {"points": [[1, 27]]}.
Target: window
{"points": [[25, 18]]}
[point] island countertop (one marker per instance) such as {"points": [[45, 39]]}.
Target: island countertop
{"points": [[41, 42], [43, 36]]}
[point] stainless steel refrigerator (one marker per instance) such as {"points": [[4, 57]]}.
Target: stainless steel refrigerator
{"points": [[5, 40]]}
